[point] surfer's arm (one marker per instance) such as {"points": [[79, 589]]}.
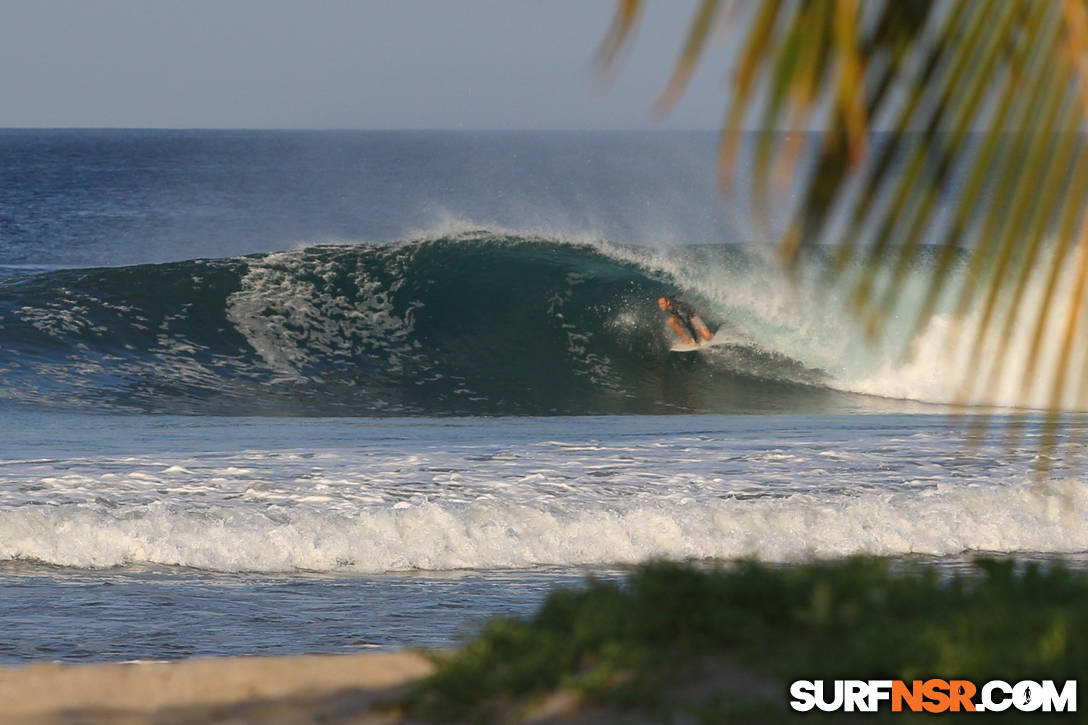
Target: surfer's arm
{"points": [[674, 323], [701, 327]]}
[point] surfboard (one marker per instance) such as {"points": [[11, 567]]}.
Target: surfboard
{"points": [[720, 338]]}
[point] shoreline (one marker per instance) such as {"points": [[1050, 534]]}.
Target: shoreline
{"points": [[673, 639], [296, 688]]}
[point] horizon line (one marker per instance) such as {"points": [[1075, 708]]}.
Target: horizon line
{"points": [[557, 129]]}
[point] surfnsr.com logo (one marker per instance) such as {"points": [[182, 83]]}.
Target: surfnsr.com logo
{"points": [[933, 695]]}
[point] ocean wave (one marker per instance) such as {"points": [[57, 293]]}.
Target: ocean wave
{"points": [[480, 323], [949, 519], [473, 323]]}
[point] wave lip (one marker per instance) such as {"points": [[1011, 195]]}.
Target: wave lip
{"points": [[950, 519]]}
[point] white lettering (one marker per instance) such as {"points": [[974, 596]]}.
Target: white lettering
{"points": [[1065, 701], [1027, 696], [855, 695], [995, 695], [803, 697], [834, 704], [992, 704], [878, 690]]}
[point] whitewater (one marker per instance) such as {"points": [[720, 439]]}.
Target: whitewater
{"points": [[401, 495], [330, 391]]}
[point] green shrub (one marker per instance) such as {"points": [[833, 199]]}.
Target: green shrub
{"points": [[628, 642]]}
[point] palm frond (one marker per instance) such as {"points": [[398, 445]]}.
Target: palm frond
{"points": [[980, 107], [693, 48], [620, 32]]}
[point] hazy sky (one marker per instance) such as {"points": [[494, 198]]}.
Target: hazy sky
{"points": [[339, 64]]}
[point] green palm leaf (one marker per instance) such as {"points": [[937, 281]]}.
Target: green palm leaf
{"points": [[980, 103]]}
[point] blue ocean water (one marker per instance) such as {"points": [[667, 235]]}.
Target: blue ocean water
{"points": [[276, 392]]}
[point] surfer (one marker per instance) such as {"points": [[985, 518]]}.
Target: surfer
{"points": [[685, 321]]}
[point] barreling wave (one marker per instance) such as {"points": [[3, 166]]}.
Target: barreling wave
{"points": [[463, 323], [472, 323]]}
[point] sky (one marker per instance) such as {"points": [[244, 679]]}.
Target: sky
{"points": [[368, 64]]}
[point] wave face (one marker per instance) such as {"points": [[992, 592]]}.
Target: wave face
{"points": [[470, 323]]}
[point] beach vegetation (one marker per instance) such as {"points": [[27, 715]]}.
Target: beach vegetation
{"points": [[721, 644]]}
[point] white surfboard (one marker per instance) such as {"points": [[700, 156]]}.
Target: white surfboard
{"points": [[719, 338]]}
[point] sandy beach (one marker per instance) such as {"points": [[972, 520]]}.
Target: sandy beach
{"points": [[326, 688]]}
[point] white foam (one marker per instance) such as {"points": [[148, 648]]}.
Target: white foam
{"points": [[282, 314], [945, 348], [948, 519], [366, 495]]}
